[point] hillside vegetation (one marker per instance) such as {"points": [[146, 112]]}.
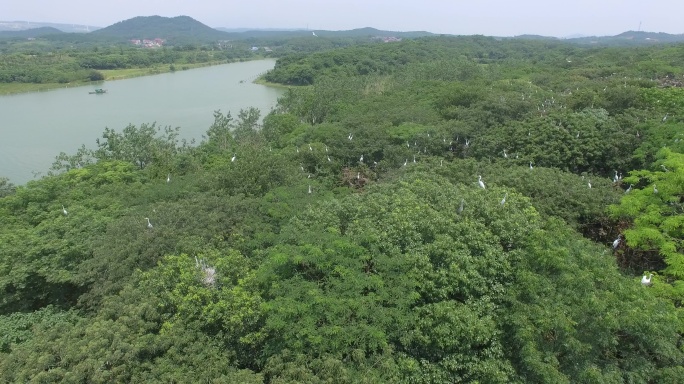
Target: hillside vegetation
{"points": [[438, 210]]}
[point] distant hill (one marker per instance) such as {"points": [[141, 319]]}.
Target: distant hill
{"points": [[27, 33], [176, 30], [352, 33], [26, 25], [631, 38]]}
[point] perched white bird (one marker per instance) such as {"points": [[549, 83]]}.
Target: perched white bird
{"points": [[168, 178], [646, 280], [665, 117], [629, 189], [310, 189], [358, 175], [616, 243], [460, 207], [655, 190], [232, 159], [310, 149], [589, 184], [314, 33], [441, 163], [405, 162], [149, 225], [64, 211], [480, 182], [326, 148], [505, 154], [361, 159], [329, 158], [503, 201], [531, 167], [350, 136], [616, 178]]}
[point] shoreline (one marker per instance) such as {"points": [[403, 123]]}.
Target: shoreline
{"points": [[8, 89]]}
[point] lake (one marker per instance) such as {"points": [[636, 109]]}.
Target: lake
{"points": [[36, 127]]}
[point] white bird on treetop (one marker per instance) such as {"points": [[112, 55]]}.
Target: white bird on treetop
{"points": [[64, 211], [480, 182], [646, 280], [149, 225], [503, 201], [168, 178], [616, 242], [309, 188], [232, 159]]}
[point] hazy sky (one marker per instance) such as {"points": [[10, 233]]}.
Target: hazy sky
{"points": [[462, 17]]}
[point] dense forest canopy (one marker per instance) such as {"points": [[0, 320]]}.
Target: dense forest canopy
{"points": [[444, 209]]}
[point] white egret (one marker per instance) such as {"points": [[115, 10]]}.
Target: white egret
{"points": [[664, 168], [616, 242], [414, 158], [665, 117], [326, 148], [503, 201], [329, 158], [615, 178], [350, 136], [460, 207], [301, 167], [655, 190], [467, 143], [408, 145], [297, 149], [361, 159], [168, 178], [405, 162], [531, 167], [310, 149], [589, 184], [149, 225], [480, 182], [358, 175], [646, 280], [505, 154], [629, 189], [232, 159], [441, 163], [64, 211], [310, 189]]}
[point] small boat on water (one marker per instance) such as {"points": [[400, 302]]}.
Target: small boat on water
{"points": [[98, 91]]}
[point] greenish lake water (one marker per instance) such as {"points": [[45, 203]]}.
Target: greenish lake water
{"points": [[36, 127]]}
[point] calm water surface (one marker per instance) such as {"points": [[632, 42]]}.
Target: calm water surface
{"points": [[36, 127]]}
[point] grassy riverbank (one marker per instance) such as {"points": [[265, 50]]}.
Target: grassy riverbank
{"points": [[114, 74]]}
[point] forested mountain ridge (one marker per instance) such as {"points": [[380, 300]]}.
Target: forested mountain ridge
{"points": [[439, 210], [182, 28]]}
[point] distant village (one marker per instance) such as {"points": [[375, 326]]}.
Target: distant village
{"points": [[146, 43]]}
